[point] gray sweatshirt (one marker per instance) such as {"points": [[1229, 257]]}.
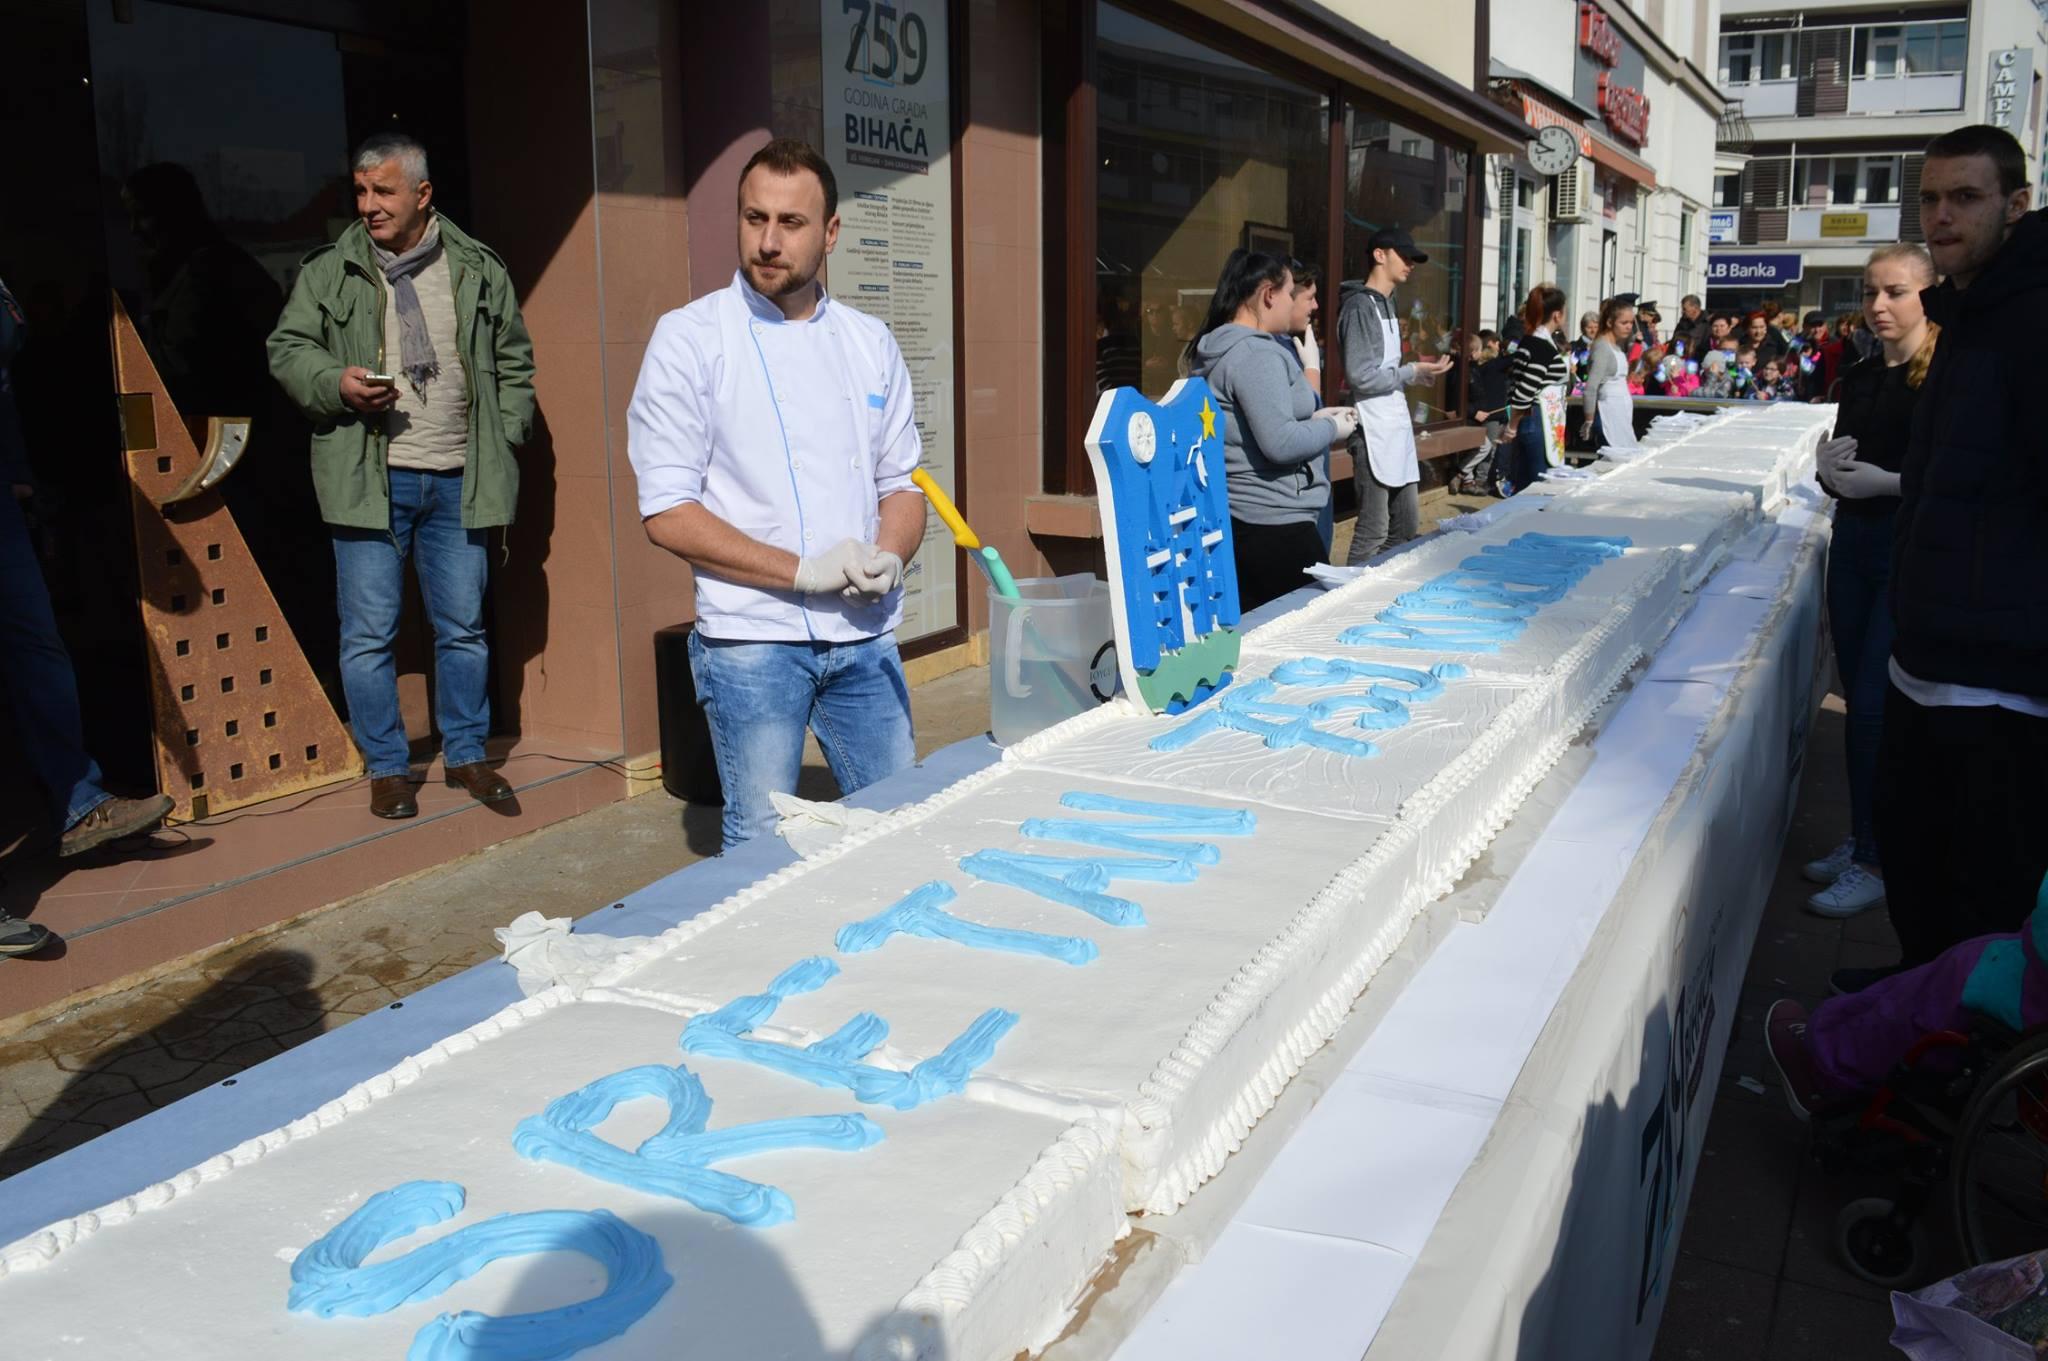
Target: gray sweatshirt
{"points": [[1362, 343], [1272, 448]]}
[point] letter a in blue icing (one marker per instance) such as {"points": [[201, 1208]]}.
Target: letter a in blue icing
{"points": [[835, 1061], [675, 1161], [329, 1277], [921, 913]]}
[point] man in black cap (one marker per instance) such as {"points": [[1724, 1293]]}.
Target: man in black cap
{"points": [[1384, 469]]}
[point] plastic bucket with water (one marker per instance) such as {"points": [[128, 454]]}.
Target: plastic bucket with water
{"points": [[1052, 654]]}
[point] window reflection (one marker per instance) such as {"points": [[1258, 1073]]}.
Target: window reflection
{"points": [[1199, 153], [1396, 176]]}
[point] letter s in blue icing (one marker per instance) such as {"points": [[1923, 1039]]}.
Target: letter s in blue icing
{"points": [[329, 1277]]}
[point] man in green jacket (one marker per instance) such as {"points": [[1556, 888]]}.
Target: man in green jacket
{"points": [[402, 343]]}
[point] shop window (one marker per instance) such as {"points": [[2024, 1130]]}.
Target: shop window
{"points": [[1396, 176], [1198, 153]]}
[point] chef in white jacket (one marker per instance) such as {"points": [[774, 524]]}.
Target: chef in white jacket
{"points": [[1384, 468]]}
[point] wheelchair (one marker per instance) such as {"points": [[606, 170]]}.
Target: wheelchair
{"points": [[1965, 1114]]}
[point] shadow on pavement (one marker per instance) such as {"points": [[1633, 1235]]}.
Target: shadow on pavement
{"points": [[265, 1005]]}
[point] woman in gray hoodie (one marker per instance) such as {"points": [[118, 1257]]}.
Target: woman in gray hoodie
{"points": [[1274, 435]]}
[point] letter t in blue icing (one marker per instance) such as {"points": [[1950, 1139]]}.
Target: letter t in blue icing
{"points": [[836, 1060], [675, 1161], [921, 912], [329, 1277]]}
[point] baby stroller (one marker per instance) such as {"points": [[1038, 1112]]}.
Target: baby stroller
{"points": [[1965, 1114]]}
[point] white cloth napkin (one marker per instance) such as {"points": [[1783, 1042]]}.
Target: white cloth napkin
{"points": [[809, 826], [546, 953]]}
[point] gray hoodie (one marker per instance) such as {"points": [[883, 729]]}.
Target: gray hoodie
{"points": [[1272, 449]]}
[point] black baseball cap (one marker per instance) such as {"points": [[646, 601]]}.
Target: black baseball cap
{"points": [[1394, 239]]}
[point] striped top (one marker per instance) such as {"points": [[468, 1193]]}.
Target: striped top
{"points": [[1538, 365]]}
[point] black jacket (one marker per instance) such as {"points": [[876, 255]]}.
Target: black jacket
{"points": [[1970, 550], [1877, 408]]}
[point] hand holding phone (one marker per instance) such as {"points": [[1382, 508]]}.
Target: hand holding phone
{"points": [[367, 392]]}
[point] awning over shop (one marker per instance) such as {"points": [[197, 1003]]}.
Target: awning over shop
{"points": [[1542, 107]]}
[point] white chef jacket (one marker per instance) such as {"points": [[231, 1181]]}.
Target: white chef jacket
{"points": [[791, 432]]}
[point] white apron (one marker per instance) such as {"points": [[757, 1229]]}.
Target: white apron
{"points": [[1617, 413], [1384, 421]]}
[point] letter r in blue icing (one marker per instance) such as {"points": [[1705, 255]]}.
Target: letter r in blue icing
{"points": [[675, 1161], [329, 1277]]}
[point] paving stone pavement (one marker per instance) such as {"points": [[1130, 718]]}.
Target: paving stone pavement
{"points": [[80, 1074]]}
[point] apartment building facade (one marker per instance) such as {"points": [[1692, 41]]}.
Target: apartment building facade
{"points": [[1633, 83], [1836, 102]]}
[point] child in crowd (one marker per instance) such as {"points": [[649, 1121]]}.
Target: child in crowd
{"points": [[1716, 378], [1681, 376], [1638, 372], [1742, 373], [1850, 1044], [1771, 384], [1489, 363]]}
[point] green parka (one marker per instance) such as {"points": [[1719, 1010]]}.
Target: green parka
{"points": [[335, 319]]}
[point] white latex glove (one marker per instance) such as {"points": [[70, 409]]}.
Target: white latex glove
{"points": [[1311, 353], [870, 580], [1345, 418], [1834, 452], [1853, 481], [831, 570]]}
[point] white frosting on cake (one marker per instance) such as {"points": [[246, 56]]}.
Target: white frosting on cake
{"points": [[980, 1221], [1220, 965], [1644, 583]]}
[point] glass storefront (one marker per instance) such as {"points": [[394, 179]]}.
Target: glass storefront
{"points": [[1200, 153], [1401, 176], [1205, 145]]}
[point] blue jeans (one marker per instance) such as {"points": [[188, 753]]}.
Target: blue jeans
{"points": [[369, 567], [759, 698], [36, 671], [1526, 459], [1859, 613]]}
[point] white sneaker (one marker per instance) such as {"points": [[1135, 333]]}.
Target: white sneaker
{"points": [[1857, 890], [1833, 865]]}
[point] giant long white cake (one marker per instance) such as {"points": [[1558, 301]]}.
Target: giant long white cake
{"points": [[900, 1099]]}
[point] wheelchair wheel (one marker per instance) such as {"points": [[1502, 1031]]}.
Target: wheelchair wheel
{"points": [[1874, 1245], [1999, 1163]]}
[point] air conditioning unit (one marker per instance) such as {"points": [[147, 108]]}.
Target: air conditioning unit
{"points": [[1571, 194]]}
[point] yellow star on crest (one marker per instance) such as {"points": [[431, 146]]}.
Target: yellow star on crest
{"points": [[1208, 420]]}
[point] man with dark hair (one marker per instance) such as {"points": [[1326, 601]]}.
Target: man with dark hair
{"points": [[1816, 359], [1963, 763], [403, 345], [773, 433], [1384, 471], [1691, 327]]}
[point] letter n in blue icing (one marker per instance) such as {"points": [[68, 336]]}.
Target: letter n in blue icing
{"points": [[675, 1161], [329, 1277], [835, 1060]]}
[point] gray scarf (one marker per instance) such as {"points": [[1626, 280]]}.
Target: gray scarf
{"points": [[417, 360]]}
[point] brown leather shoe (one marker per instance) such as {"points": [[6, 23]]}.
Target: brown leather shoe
{"points": [[484, 784], [112, 820], [391, 797]]}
